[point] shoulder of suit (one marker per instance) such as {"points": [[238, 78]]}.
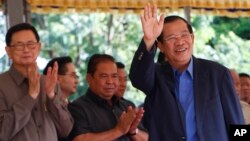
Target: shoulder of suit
{"points": [[208, 63]]}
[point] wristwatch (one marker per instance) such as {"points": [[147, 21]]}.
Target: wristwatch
{"points": [[136, 132]]}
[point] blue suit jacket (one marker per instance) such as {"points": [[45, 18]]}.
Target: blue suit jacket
{"points": [[216, 103]]}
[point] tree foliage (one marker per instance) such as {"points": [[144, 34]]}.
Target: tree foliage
{"points": [[222, 39], [240, 26], [82, 35]]}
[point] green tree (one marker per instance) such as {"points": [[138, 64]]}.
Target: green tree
{"points": [[222, 39], [240, 26], [82, 35]]}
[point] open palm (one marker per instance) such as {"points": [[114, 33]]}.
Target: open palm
{"points": [[152, 27], [51, 80]]}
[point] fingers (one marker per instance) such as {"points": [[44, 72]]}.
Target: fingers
{"points": [[146, 12], [131, 114], [34, 80], [139, 116], [149, 12], [33, 72], [161, 21], [142, 19], [125, 122], [130, 120], [32, 68], [130, 108], [55, 69], [51, 80], [137, 120], [48, 72], [154, 14], [52, 72], [141, 110]]}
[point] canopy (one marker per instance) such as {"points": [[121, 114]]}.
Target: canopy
{"points": [[231, 8]]}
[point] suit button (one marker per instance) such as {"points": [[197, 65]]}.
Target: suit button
{"points": [[183, 138], [140, 56]]}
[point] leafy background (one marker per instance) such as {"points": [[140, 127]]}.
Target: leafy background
{"points": [[222, 39]]}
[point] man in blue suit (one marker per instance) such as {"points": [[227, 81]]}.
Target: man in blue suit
{"points": [[187, 98]]}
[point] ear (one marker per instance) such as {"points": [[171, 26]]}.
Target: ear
{"points": [[160, 46], [8, 51], [89, 78], [59, 78], [39, 47], [192, 38]]}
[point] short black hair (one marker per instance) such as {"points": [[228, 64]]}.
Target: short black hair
{"points": [[62, 61], [174, 18], [97, 59], [17, 28], [120, 65], [244, 75]]}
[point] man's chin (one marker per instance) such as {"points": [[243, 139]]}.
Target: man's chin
{"points": [[111, 93]]}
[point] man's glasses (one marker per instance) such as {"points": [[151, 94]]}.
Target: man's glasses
{"points": [[21, 46], [173, 38]]}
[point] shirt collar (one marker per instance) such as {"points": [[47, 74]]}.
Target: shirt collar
{"points": [[189, 68], [16, 76], [98, 99]]}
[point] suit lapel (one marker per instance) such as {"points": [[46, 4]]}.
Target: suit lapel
{"points": [[167, 72], [201, 77]]}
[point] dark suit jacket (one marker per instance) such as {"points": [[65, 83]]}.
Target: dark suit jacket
{"points": [[216, 103]]}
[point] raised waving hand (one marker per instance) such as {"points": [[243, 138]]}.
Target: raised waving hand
{"points": [[152, 27]]}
